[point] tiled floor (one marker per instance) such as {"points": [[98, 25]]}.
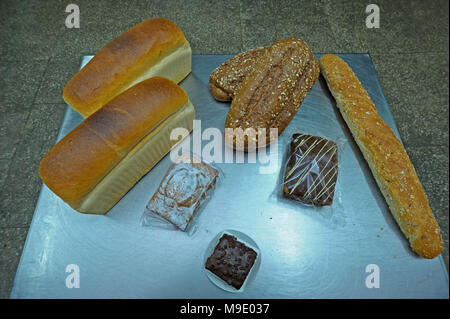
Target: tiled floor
{"points": [[38, 54]]}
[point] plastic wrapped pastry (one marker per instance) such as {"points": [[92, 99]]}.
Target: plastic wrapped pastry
{"points": [[182, 191], [311, 170]]}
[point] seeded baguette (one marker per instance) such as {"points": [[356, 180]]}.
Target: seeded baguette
{"points": [[387, 158]]}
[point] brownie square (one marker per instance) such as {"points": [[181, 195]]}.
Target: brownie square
{"points": [[231, 260], [311, 170]]}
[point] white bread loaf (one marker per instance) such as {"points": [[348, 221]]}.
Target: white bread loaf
{"points": [[155, 47], [386, 156], [95, 164]]}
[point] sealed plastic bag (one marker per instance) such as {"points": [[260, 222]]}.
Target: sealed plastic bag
{"points": [[311, 170], [309, 178], [180, 195]]}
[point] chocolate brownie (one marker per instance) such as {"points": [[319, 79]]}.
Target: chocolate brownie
{"points": [[311, 170], [231, 260]]}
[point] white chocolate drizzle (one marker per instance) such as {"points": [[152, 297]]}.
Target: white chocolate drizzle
{"points": [[320, 179]]}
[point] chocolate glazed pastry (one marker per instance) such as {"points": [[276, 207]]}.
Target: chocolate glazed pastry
{"points": [[231, 260], [312, 170], [271, 94], [226, 79]]}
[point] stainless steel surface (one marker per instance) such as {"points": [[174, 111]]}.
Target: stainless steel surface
{"points": [[306, 254]]}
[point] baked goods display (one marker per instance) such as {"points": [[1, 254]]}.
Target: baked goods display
{"points": [[182, 191], [154, 47], [95, 164], [311, 170], [131, 102], [231, 260], [272, 92], [386, 156]]}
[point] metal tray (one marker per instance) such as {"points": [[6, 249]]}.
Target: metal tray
{"points": [[304, 254]]}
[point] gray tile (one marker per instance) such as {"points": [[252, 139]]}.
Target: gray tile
{"points": [[209, 26], [412, 74], [20, 193], [4, 166], [100, 22], [21, 217], [421, 121], [11, 128], [11, 245], [22, 186], [39, 27], [21, 81], [266, 31], [266, 22], [405, 26], [284, 10], [432, 166], [59, 71]]}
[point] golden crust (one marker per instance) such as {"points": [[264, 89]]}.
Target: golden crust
{"points": [[272, 93], [79, 161], [226, 79], [218, 93], [120, 61], [386, 156]]}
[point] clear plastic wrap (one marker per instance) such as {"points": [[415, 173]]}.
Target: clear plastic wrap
{"points": [[310, 175], [181, 195], [311, 170]]}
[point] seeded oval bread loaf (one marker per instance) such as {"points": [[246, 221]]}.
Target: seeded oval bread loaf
{"points": [[226, 79], [272, 93]]}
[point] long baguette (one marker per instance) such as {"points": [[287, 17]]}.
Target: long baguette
{"points": [[386, 156]]}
